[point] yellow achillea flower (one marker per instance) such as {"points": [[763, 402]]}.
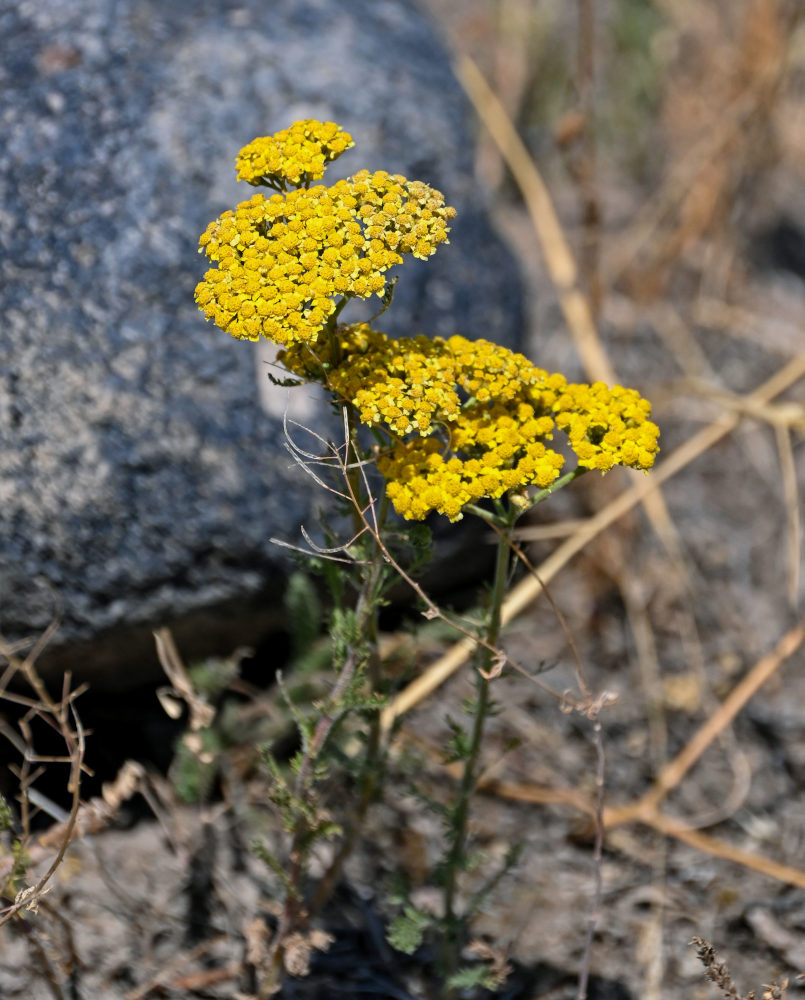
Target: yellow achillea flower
{"points": [[296, 155], [470, 418], [283, 261]]}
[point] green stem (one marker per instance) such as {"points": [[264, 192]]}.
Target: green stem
{"points": [[373, 766], [457, 853], [568, 477], [499, 518], [372, 572], [371, 774]]}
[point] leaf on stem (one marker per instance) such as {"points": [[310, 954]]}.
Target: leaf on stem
{"points": [[408, 929]]}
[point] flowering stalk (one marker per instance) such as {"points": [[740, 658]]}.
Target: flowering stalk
{"points": [[456, 423]]}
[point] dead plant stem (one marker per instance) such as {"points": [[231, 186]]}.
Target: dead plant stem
{"points": [[72, 733], [371, 776], [586, 168], [598, 854], [671, 776]]}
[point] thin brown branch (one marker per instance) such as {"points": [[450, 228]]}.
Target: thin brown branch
{"points": [[673, 774], [788, 480], [555, 247], [645, 810], [556, 251], [61, 715]]}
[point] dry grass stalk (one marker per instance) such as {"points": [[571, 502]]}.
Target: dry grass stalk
{"points": [[718, 973], [732, 140], [646, 809], [92, 817]]}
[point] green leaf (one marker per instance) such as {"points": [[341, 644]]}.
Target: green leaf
{"points": [[6, 817], [284, 383], [491, 883], [193, 773], [344, 629], [472, 977], [326, 830], [305, 725], [408, 929], [458, 746], [270, 859], [212, 676], [304, 613]]}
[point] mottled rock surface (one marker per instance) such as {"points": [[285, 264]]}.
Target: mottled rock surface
{"points": [[141, 467]]}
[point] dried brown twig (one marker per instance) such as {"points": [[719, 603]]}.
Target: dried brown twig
{"points": [[92, 817], [718, 973], [61, 716], [646, 809]]}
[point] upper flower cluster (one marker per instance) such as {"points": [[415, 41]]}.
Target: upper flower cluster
{"points": [[282, 263], [296, 155], [470, 418]]}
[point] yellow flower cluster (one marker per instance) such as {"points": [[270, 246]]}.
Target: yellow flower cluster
{"points": [[296, 155], [607, 426], [478, 413], [406, 384], [423, 476], [282, 262], [467, 419], [399, 383]]}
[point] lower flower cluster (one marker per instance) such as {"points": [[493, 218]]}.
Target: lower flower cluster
{"points": [[469, 419]]}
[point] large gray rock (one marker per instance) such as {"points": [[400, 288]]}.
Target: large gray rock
{"points": [[141, 469]]}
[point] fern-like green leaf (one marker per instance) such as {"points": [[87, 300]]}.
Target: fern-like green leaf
{"points": [[304, 613], [473, 977], [458, 746], [408, 929]]}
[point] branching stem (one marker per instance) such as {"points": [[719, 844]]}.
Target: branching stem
{"points": [[363, 653]]}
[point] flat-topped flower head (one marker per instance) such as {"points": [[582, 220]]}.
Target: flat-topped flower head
{"points": [[469, 419], [296, 155], [283, 262]]}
